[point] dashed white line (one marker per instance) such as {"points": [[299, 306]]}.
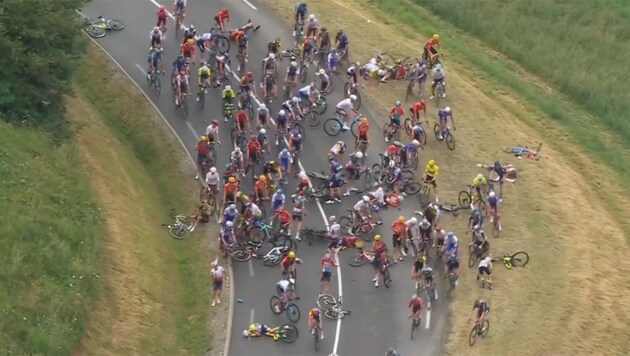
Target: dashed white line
{"points": [[251, 315], [428, 319], [251, 268], [250, 4]]}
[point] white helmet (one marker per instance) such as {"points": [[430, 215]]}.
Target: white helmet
{"points": [[366, 198], [294, 64], [492, 194], [245, 333], [476, 227], [228, 87], [425, 221], [295, 99], [263, 107], [447, 109], [282, 113], [353, 97], [322, 71], [332, 218], [237, 149], [479, 176], [359, 155], [262, 131], [416, 143], [156, 29], [392, 164], [413, 220], [229, 224], [311, 17], [341, 143], [213, 170], [272, 56]]}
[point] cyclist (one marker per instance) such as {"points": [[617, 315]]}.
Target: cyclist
{"points": [[284, 157], [212, 180], [413, 233], [399, 234], [438, 77], [351, 75], [162, 14], [302, 183], [452, 266], [229, 190], [327, 265], [409, 152], [417, 266], [415, 109], [156, 37], [219, 63], [324, 80], [395, 113], [223, 14], [183, 87], [334, 182], [295, 142], [290, 78], [272, 170], [451, 244], [236, 158], [479, 239], [263, 116], [300, 11], [443, 116], [288, 264], [380, 257], [263, 140], [253, 150], [226, 234], [323, 40], [229, 214], [277, 200], [315, 321], [304, 94], [269, 64], [205, 39], [415, 307], [312, 25], [241, 122], [299, 210], [334, 234], [202, 149], [284, 288], [261, 189], [493, 206], [247, 84], [241, 201], [284, 217], [258, 329], [189, 34], [363, 129], [228, 95], [475, 218], [155, 59], [431, 171], [342, 42], [212, 132], [187, 49], [332, 60], [362, 209], [481, 185], [203, 73], [353, 170], [346, 108], [440, 237], [430, 53], [254, 213], [480, 311], [274, 47], [336, 151], [179, 64], [425, 234], [429, 282], [269, 86]]}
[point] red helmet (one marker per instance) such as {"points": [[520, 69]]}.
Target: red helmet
{"points": [[250, 74], [215, 122]]}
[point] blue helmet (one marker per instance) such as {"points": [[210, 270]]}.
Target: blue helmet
{"points": [[232, 207], [279, 191], [450, 234]]}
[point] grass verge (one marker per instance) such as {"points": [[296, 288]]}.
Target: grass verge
{"points": [[50, 237], [567, 211], [154, 295]]}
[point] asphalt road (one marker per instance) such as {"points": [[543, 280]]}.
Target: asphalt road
{"points": [[379, 315]]}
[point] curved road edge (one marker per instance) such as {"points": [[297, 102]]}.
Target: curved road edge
{"points": [[228, 333]]}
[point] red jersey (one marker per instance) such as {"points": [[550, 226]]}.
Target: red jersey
{"points": [[392, 150], [284, 217], [161, 13], [223, 14], [431, 43], [202, 147], [230, 188], [378, 246], [260, 186], [396, 110], [286, 262], [399, 228], [363, 129], [415, 302], [417, 106], [241, 116], [253, 146]]}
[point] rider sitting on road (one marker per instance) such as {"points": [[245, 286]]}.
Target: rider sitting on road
{"points": [[353, 169]]}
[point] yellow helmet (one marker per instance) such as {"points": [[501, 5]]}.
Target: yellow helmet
{"points": [[291, 254], [364, 120], [263, 178], [232, 180], [252, 327], [190, 41], [272, 162], [397, 61], [358, 244], [401, 218], [431, 163], [421, 258], [377, 237], [203, 138], [436, 37]]}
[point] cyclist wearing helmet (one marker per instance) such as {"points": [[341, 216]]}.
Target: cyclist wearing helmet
{"points": [[323, 40], [430, 53], [346, 108], [203, 81], [283, 216], [227, 234], [241, 201], [415, 109], [475, 218], [415, 307], [353, 170], [290, 78], [408, 153], [443, 116], [399, 235], [202, 147], [189, 34], [230, 213], [272, 170], [156, 37], [228, 95], [223, 14], [479, 239], [481, 186], [277, 201], [156, 63], [315, 315], [342, 42], [362, 209], [236, 158], [363, 129], [431, 171], [438, 77], [425, 234], [187, 49], [288, 265], [413, 233], [247, 84], [212, 132], [311, 26], [451, 244], [429, 283], [480, 311], [261, 189], [269, 64], [284, 288], [183, 86], [452, 266], [269, 85], [299, 210], [253, 213], [295, 142], [332, 60], [334, 234], [307, 49], [257, 329], [212, 180], [281, 123], [262, 138], [324, 80], [263, 116], [274, 47], [337, 150], [300, 11], [253, 150], [334, 181], [493, 206], [229, 190], [380, 258], [162, 14], [440, 237], [304, 94], [285, 159], [417, 266], [302, 183]]}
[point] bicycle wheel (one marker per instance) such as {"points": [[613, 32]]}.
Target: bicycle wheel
{"points": [[387, 281], [202, 99], [346, 224], [255, 234], [464, 198], [357, 261], [485, 328], [367, 179], [177, 232], [322, 105], [450, 141], [481, 205], [333, 315], [495, 228], [520, 259], [241, 255], [293, 312], [317, 331], [472, 259], [412, 188], [157, 83], [408, 125], [115, 25], [223, 44], [357, 103], [212, 203], [271, 261], [312, 120], [472, 337], [303, 73], [326, 301], [513, 149], [436, 132], [184, 107], [288, 333], [332, 127], [376, 172], [276, 305], [95, 31]]}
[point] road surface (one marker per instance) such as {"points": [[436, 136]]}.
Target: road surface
{"points": [[379, 315]]}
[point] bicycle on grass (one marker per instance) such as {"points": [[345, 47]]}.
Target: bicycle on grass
{"points": [[445, 136], [408, 126], [478, 331], [352, 89], [524, 151], [471, 198], [518, 259], [391, 131], [179, 228]]}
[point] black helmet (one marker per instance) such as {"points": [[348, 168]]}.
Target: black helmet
{"points": [[323, 29]]}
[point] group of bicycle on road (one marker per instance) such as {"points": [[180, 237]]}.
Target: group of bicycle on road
{"points": [[242, 216]]}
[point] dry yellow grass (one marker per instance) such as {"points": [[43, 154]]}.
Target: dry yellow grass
{"points": [[571, 298]]}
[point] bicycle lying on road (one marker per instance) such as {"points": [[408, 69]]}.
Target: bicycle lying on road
{"points": [[292, 310], [98, 28], [333, 308]]}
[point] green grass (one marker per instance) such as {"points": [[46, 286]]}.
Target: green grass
{"points": [[49, 242], [576, 119]]}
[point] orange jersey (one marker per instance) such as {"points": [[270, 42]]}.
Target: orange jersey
{"points": [[260, 186], [363, 129], [399, 228], [417, 106], [284, 217], [230, 188], [431, 43]]}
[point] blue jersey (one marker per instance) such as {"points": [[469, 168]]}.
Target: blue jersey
{"points": [[443, 115], [179, 64], [261, 138], [409, 148], [343, 39], [301, 8]]}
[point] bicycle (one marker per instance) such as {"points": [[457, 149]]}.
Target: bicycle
{"points": [[520, 151], [317, 333], [334, 126], [179, 17], [262, 232], [246, 251], [517, 259], [452, 283], [332, 307], [352, 90], [365, 257], [247, 105], [98, 28], [471, 198], [356, 224], [182, 105], [153, 80], [446, 137], [391, 131], [179, 228], [495, 219], [415, 323], [203, 89], [476, 251], [292, 310], [238, 138], [428, 291], [408, 126], [439, 92], [478, 331], [274, 256], [208, 195]]}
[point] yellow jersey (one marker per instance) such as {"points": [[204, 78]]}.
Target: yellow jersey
{"points": [[477, 182], [204, 71], [228, 94], [431, 171]]}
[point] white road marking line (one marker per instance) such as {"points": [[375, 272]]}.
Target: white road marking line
{"points": [[251, 268], [251, 315], [250, 4], [141, 69], [319, 204], [167, 12], [428, 319]]}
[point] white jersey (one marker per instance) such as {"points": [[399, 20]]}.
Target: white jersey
{"points": [[361, 206], [236, 156], [345, 105], [255, 210], [217, 273], [284, 285], [437, 75], [485, 262], [323, 77], [379, 194], [333, 230], [206, 36], [212, 178], [306, 90], [156, 34], [212, 131], [311, 24]]}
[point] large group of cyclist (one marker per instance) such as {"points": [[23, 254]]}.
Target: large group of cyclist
{"points": [[240, 213]]}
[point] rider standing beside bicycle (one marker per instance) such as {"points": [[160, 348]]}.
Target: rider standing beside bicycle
{"points": [[202, 149], [300, 11], [222, 15], [363, 129], [212, 181], [380, 258], [299, 210], [288, 265], [399, 232], [415, 109], [430, 53]]}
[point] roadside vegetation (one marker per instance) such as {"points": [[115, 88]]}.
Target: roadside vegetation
{"points": [[567, 211]]}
